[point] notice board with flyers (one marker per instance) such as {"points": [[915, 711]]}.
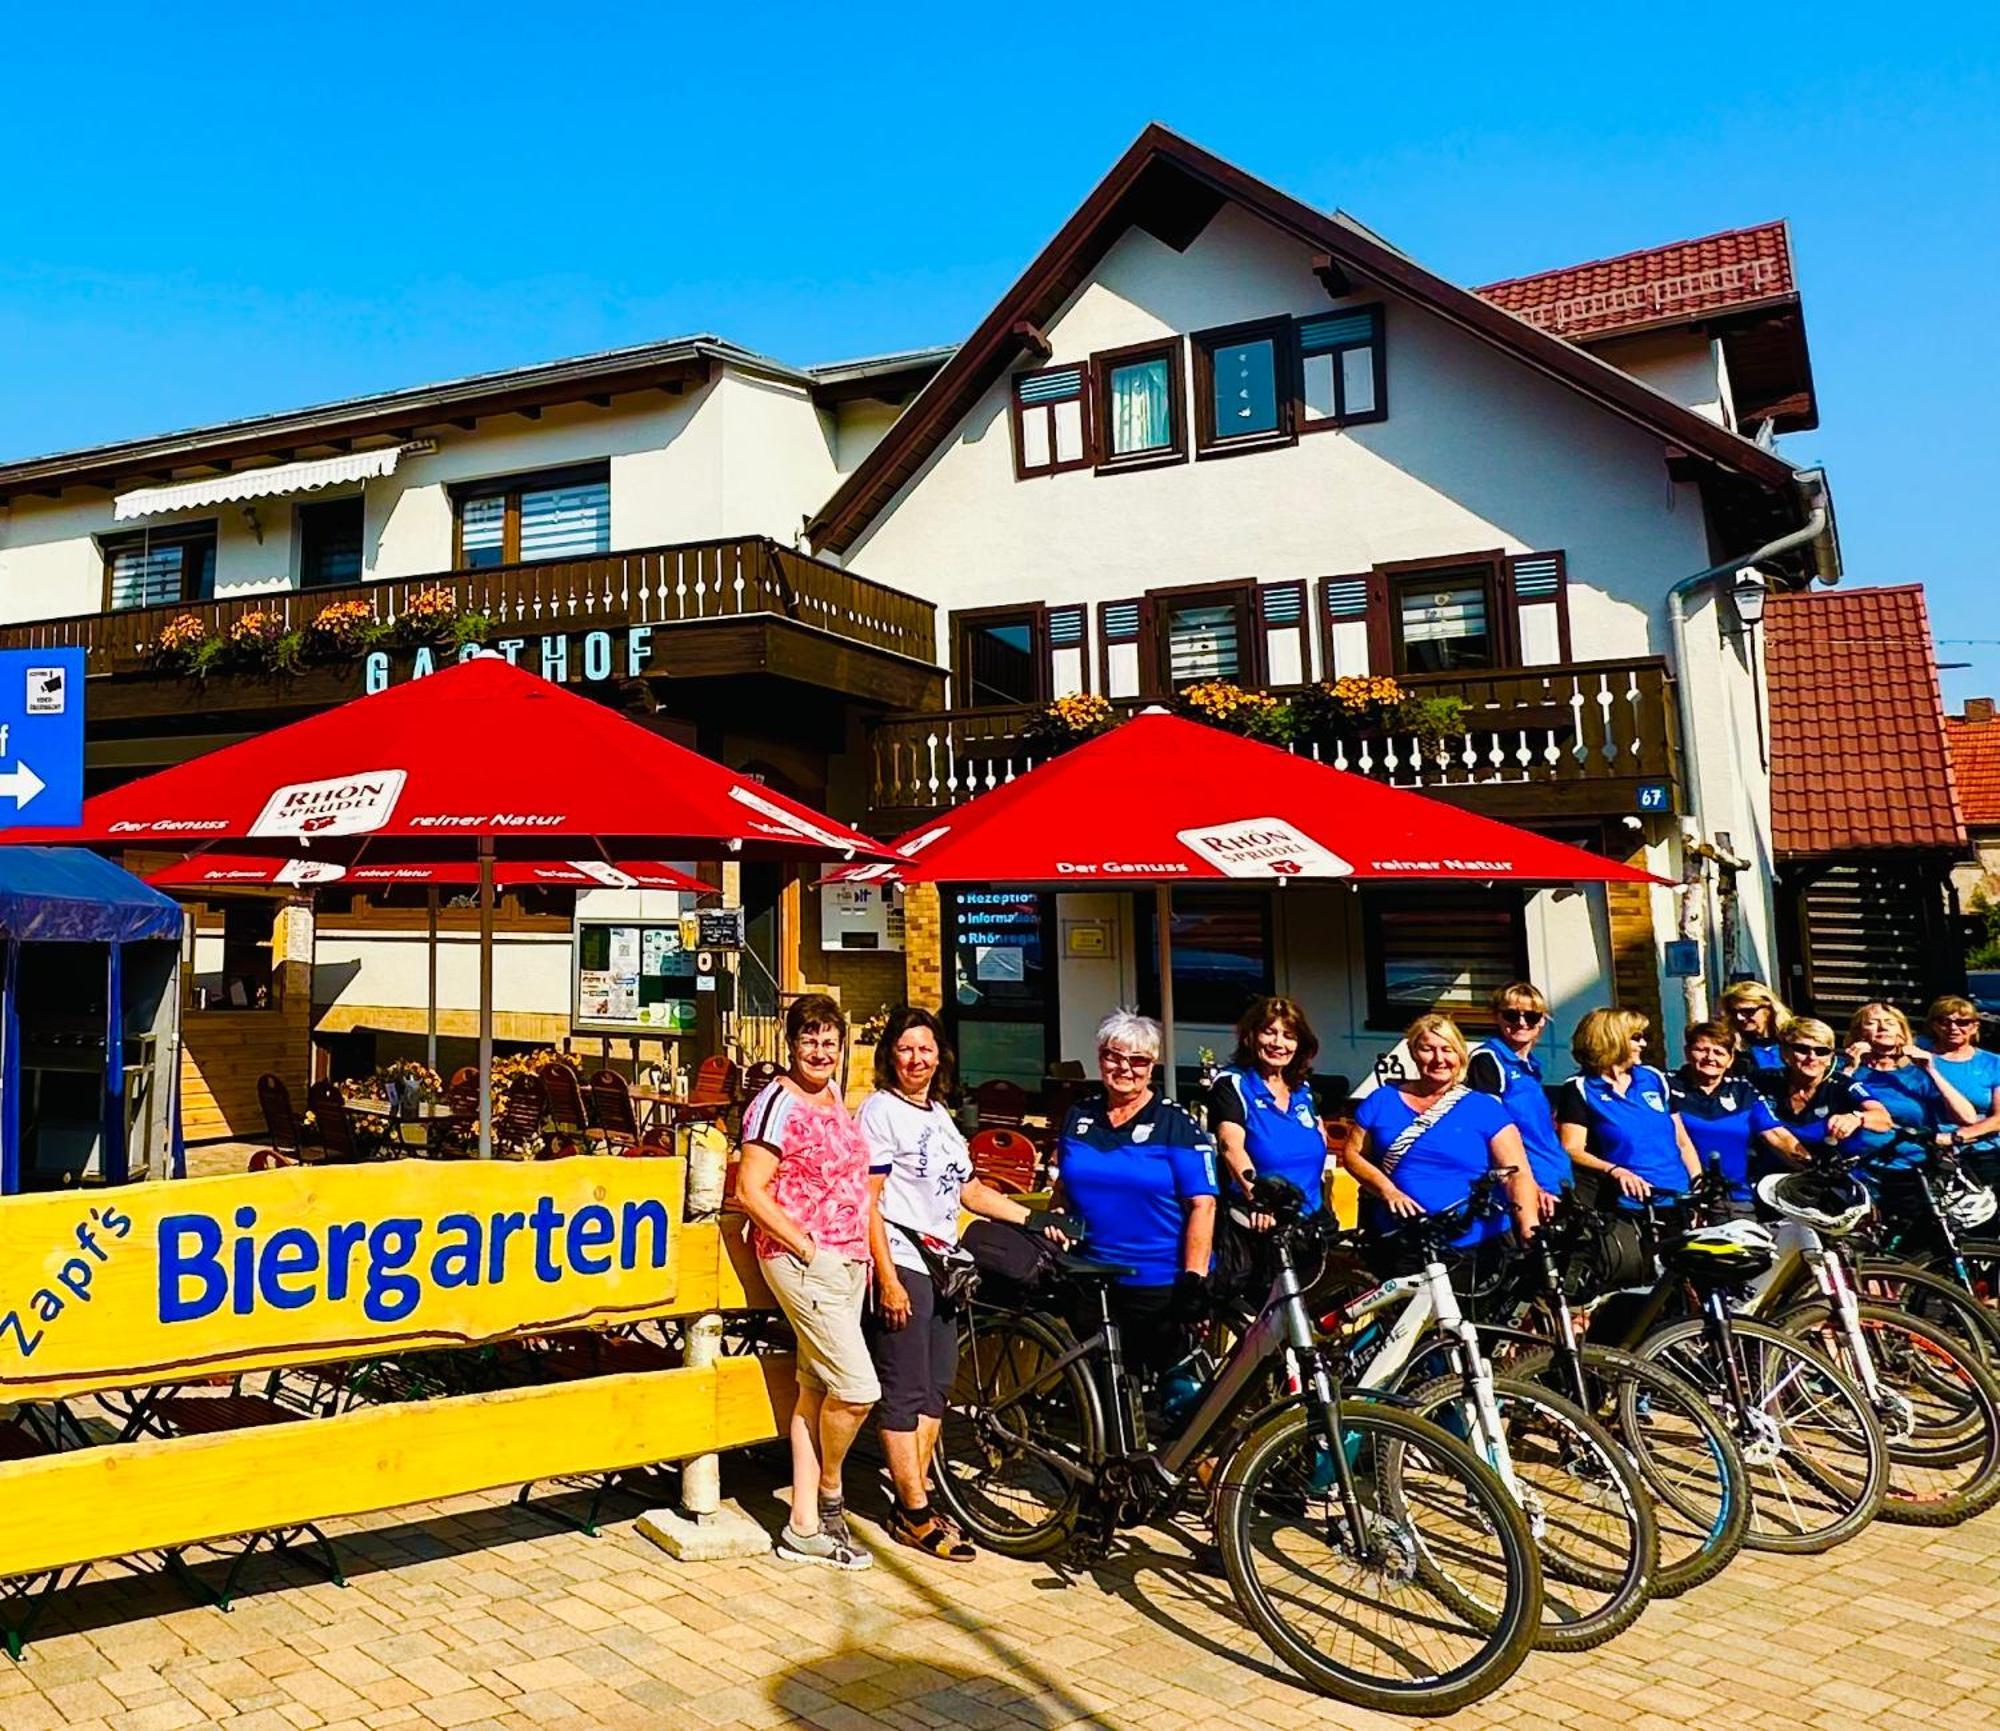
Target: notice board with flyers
{"points": [[633, 977]]}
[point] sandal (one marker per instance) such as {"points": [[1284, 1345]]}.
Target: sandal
{"points": [[932, 1535]]}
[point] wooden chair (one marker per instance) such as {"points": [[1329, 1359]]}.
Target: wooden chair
{"points": [[569, 1117], [520, 1127], [289, 1137], [611, 1109], [1006, 1159], [458, 1134], [338, 1133], [1003, 1105], [714, 1090], [759, 1077]]}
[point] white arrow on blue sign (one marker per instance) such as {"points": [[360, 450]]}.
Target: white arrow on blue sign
{"points": [[41, 737]]}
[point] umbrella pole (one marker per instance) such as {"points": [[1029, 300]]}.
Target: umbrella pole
{"points": [[1163, 937], [431, 968], [486, 997]]}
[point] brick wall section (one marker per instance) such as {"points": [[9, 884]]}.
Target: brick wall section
{"points": [[923, 945], [1635, 965], [864, 980]]}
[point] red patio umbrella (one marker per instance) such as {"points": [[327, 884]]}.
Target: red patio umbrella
{"points": [[1162, 800], [218, 870], [463, 762]]}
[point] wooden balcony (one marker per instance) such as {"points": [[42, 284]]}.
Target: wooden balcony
{"points": [[744, 606], [1581, 739]]}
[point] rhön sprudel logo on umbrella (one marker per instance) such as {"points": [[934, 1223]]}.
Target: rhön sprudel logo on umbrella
{"points": [[340, 805], [1262, 847]]}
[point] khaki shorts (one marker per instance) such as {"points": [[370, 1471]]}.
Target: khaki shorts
{"points": [[823, 1305]]}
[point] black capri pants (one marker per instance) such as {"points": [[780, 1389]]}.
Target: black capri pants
{"points": [[917, 1362]]}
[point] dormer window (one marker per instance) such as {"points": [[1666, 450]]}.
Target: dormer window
{"points": [[1343, 371], [1051, 420]]}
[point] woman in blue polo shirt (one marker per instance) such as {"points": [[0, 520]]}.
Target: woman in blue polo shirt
{"points": [[1753, 1010], [1617, 1115], [1261, 1108], [1820, 1107], [1505, 1066], [1418, 1145], [1731, 1125], [1975, 1073], [1905, 1079], [1140, 1175]]}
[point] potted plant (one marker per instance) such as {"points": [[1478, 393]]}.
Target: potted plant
{"points": [[1069, 720], [1340, 711], [341, 630], [181, 645], [1253, 714], [259, 643], [428, 615], [1431, 721]]}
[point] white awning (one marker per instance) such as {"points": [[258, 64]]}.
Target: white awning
{"points": [[256, 483]]}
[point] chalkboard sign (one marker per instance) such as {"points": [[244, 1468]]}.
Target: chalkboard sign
{"points": [[719, 928]]}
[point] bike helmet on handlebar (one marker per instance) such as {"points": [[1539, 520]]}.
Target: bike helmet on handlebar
{"points": [[1832, 1202], [1724, 1255], [1968, 1205]]}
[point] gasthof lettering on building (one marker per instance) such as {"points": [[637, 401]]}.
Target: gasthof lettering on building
{"points": [[1515, 539]]}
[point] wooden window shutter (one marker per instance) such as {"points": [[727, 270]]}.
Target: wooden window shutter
{"points": [[1537, 609], [1122, 631], [1066, 634], [1287, 645], [1355, 615]]}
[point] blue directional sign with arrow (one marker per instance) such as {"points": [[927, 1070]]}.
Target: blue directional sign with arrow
{"points": [[41, 737]]}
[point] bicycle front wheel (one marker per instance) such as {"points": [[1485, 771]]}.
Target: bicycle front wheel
{"points": [[1938, 1407], [1022, 1437], [1430, 1605], [1818, 1465], [1590, 1514], [1683, 1450], [1933, 1298]]}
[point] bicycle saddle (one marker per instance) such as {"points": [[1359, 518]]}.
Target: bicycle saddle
{"points": [[1076, 1266]]}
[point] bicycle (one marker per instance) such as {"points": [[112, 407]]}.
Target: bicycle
{"points": [[1922, 1249], [1372, 1551], [1585, 1500], [1689, 1460], [1938, 1407], [1817, 1460]]}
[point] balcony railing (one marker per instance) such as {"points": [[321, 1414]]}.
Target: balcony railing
{"points": [[646, 586], [1599, 728]]}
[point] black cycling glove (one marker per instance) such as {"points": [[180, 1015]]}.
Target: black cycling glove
{"points": [[1192, 1302]]}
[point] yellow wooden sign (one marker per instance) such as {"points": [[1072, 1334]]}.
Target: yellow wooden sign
{"points": [[116, 1288]]}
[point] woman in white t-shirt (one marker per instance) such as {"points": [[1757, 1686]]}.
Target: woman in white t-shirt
{"points": [[922, 1179]]}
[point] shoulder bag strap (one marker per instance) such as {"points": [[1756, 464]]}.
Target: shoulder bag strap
{"points": [[1419, 1126]]}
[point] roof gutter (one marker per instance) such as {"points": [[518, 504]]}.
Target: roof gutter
{"points": [[1819, 516]]}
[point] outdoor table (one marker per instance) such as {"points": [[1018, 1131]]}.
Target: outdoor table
{"points": [[399, 1118], [660, 1107]]}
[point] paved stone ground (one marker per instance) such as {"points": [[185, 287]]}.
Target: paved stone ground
{"points": [[479, 1614]]}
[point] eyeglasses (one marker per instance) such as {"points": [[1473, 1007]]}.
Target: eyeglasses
{"points": [[1803, 1051], [820, 1048], [1747, 1012], [1526, 1018], [1112, 1060], [1957, 1022]]}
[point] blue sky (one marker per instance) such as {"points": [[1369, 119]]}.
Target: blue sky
{"points": [[224, 210]]}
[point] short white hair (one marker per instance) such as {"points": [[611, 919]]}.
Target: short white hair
{"points": [[1137, 1034]]}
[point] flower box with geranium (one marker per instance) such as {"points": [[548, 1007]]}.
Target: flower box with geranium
{"points": [[180, 646], [1080, 715], [428, 615], [1253, 714], [341, 629], [258, 642]]}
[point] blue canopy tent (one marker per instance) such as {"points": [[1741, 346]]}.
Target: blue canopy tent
{"points": [[70, 896]]}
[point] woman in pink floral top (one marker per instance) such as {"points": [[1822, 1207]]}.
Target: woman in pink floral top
{"points": [[804, 1185]]}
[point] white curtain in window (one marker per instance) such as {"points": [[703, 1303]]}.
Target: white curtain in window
{"points": [[1141, 418]]}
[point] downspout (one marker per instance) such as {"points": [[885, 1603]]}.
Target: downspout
{"points": [[1696, 829]]}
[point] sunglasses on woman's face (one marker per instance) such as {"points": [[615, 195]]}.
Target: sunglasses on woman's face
{"points": [[1523, 1018], [1957, 1022], [1130, 1061], [1802, 1051]]}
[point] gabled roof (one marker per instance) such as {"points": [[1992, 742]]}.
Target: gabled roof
{"points": [[1661, 285], [1975, 765], [1172, 188], [1738, 285], [1859, 762]]}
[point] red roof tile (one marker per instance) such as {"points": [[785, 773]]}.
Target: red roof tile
{"points": [[1975, 766], [1662, 285], [1858, 754]]}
